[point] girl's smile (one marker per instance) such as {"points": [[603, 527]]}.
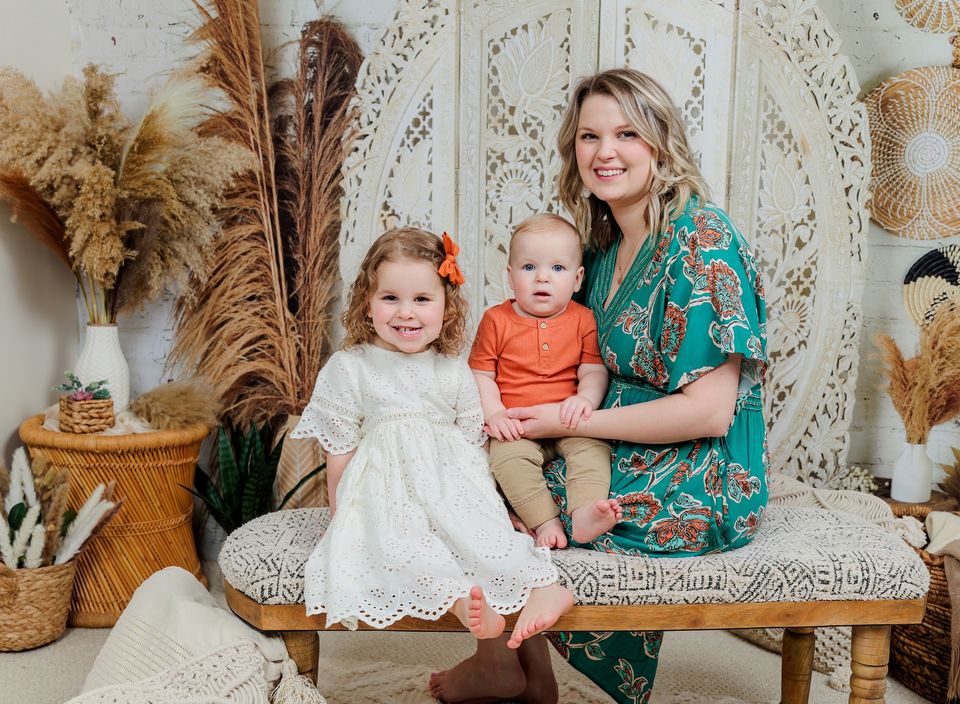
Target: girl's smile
{"points": [[407, 307]]}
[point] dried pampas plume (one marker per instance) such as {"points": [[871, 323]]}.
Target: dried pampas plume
{"points": [[925, 389], [179, 404]]}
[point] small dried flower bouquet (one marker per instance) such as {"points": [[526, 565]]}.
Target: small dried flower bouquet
{"points": [[39, 539], [85, 409]]}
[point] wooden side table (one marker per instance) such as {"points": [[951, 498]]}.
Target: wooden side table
{"points": [[153, 528]]}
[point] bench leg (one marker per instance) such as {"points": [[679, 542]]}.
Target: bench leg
{"points": [[304, 649], [868, 664], [797, 665]]}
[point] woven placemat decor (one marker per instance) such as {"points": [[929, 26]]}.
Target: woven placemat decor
{"points": [[933, 280], [915, 130], [931, 15]]}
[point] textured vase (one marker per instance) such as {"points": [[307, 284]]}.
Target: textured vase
{"points": [[102, 358], [912, 475]]}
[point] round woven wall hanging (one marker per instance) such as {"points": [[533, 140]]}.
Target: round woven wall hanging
{"points": [[931, 15], [915, 130], [933, 280]]}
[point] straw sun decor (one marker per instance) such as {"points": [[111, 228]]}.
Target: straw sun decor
{"points": [[260, 326], [925, 389], [915, 130], [931, 15]]}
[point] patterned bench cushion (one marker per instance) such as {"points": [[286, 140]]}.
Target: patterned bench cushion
{"points": [[799, 554]]}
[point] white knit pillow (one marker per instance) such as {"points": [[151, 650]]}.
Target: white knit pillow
{"points": [[171, 619], [231, 674]]}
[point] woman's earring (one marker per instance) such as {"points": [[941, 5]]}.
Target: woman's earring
{"points": [[584, 192]]}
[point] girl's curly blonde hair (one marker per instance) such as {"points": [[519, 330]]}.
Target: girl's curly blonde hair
{"points": [[394, 246], [651, 112]]}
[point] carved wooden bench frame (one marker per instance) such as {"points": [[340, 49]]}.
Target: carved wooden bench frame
{"points": [[870, 620]]}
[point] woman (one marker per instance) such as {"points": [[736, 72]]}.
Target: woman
{"points": [[681, 320]]}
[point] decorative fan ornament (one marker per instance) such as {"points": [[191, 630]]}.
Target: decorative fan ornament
{"points": [[931, 15], [933, 280], [915, 129]]}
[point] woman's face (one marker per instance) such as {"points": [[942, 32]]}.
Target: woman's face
{"points": [[612, 158]]}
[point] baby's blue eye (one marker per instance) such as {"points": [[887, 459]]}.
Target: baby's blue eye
{"points": [[527, 267], [559, 267]]}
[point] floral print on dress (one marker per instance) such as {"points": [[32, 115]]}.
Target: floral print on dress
{"points": [[692, 297]]}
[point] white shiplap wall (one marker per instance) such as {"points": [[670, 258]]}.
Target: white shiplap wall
{"points": [[142, 39]]}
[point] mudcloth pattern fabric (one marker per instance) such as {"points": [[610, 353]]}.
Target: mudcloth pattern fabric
{"points": [[692, 297]]}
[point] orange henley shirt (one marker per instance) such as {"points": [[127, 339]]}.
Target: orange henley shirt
{"points": [[535, 359]]}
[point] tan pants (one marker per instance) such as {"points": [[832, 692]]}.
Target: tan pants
{"points": [[518, 469]]}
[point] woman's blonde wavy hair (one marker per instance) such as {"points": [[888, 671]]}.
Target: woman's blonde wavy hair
{"points": [[394, 246], [651, 112]]}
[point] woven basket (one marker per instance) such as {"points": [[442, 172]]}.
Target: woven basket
{"points": [[89, 416], [920, 654], [152, 530], [34, 604]]}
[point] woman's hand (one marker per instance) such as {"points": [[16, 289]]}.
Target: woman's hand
{"points": [[542, 421], [519, 525]]}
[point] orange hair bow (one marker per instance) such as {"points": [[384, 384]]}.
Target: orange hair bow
{"points": [[449, 267]]}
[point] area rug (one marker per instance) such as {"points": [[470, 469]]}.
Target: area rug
{"points": [[392, 668]]}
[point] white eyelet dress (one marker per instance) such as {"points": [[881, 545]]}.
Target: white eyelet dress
{"points": [[418, 520]]}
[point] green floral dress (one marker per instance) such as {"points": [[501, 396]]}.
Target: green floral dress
{"points": [[692, 297]]}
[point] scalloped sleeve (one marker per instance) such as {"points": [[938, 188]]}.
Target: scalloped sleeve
{"points": [[335, 411], [715, 304], [469, 412]]}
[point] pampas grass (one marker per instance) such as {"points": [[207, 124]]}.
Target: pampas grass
{"points": [[259, 326], [128, 209], [925, 389], [179, 404]]}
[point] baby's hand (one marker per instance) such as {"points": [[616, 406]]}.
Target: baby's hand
{"points": [[573, 410], [502, 428]]}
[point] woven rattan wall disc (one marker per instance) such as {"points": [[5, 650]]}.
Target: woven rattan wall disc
{"points": [[933, 280], [915, 130], [931, 15]]}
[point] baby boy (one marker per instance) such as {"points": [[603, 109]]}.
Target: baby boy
{"points": [[541, 347]]}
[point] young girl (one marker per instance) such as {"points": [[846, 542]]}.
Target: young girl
{"points": [[417, 526]]}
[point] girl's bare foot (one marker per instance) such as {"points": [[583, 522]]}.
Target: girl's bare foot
{"points": [[550, 535], [475, 613], [492, 674], [590, 521], [542, 610]]}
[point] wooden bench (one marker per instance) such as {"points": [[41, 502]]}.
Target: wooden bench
{"points": [[265, 559]]}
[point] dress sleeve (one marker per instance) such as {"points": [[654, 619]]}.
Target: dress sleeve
{"points": [[469, 412], [335, 412], [714, 303]]}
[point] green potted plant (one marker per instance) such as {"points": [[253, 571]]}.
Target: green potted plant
{"points": [[247, 470]]}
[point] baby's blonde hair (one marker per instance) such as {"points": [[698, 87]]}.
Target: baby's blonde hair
{"points": [[650, 111], [540, 222], [393, 246]]}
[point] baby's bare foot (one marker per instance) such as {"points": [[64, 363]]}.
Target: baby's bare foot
{"points": [[593, 520], [483, 621], [542, 610], [550, 535]]}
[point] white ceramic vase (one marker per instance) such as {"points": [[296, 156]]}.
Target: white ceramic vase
{"points": [[102, 358], [912, 475]]}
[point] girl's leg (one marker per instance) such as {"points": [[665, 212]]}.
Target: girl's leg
{"points": [[492, 674], [476, 615], [544, 606]]}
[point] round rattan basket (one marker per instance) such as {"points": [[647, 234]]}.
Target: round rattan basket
{"points": [[920, 654], [34, 604], [934, 279], [915, 133], [931, 15], [153, 528]]}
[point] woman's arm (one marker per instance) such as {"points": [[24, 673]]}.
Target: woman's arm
{"points": [[702, 408]]}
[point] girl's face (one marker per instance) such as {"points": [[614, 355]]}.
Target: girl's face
{"points": [[613, 160], [407, 306]]}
